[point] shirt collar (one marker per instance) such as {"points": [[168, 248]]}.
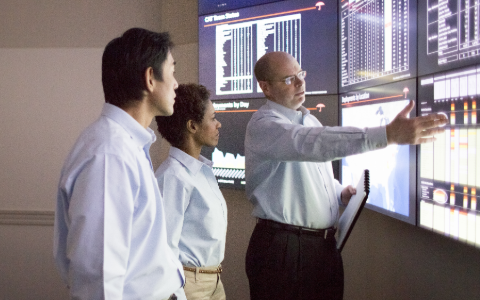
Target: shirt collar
{"points": [[141, 136], [295, 116], [193, 165]]}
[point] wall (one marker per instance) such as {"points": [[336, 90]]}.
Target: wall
{"points": [[50, 89], [50, 84]]}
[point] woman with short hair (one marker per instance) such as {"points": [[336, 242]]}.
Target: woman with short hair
{"points": [[196, 212]]}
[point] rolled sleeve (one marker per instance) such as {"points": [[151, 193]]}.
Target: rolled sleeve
{"points": [[278, 139]]}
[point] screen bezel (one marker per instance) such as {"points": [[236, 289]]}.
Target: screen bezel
{"points": [[388, 78], [412, 178], [320, 73], [429, 64]]}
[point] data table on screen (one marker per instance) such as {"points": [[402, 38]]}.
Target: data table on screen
{"points": [[449, 34], [234, 67], [449, 168], [378, 41], [231, 43]]}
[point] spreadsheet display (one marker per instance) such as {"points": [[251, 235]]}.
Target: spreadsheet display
{"points": [[449, 34], [449, 168], [376, 42], [231, 43]]}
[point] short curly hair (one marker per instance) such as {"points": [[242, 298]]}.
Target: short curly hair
{"points": [[190, 104]]}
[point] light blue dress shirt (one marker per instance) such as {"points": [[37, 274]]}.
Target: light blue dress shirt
{"points": [[196, 209], [288, 154], [110, 238]]}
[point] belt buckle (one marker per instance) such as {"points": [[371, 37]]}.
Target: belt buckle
{"points": [[327, 232]]}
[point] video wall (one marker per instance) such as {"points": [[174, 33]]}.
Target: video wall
{"points": [[448, 34], [367, 59], [231, 42], [229, 155], [448, 58], [449, 168], [215, 6], [378, 42], [392, 169]]}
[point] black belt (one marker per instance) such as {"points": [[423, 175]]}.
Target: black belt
{"points": [[326, 233]]}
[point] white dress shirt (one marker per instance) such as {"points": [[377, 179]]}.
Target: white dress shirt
{"points": [[110, 239], [288, 154], [196, 209]]}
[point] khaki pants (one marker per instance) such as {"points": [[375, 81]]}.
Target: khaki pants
{"points": [[202, 286]]}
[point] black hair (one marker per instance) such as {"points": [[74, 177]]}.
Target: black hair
{"points": [[190, 104], [125, 61]]}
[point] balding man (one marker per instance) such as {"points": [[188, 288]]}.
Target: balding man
{"points": [[292, 252]]}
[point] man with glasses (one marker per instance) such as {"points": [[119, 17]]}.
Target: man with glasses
{"points": [[289, 179]]}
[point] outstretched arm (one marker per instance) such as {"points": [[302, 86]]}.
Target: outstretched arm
{"points": [[403, 130]]}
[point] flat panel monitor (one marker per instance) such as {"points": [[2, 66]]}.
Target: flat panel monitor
{"points": [[377, 42], [392, 169], [231, 43], [215, 6], [448, 35], [449, 168], [229, 155]]}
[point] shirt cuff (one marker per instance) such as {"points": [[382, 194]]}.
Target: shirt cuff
{"points": [[376, 137]]}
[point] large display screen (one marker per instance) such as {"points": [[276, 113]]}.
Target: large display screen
{"points": [[392, 169], [215, 6], [449, 168], [448, 34], [229, 155], [378, 42], [230, 44]]}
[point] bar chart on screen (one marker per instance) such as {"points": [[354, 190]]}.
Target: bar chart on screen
{"points": [[231, 42], [228, 166], [449, 173], [234, 49]]}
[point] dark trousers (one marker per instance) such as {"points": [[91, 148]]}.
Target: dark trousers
{"points": [[282, 264]]}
